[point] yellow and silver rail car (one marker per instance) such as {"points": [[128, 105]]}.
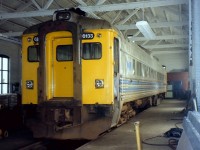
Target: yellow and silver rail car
{"points": [[140, 74], [80, 74]]}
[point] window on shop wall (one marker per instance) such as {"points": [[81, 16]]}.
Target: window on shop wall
{"points": [[4, 74]]}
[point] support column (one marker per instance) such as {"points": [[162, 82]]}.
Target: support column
{"points": [[196, 48]]}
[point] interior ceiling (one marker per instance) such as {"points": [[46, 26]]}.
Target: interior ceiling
{"points": [[169, 19]]}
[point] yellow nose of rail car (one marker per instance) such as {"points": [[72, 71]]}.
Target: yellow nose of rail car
{"points": [[97, 68], [30, 63]]}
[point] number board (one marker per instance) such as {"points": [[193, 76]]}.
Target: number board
{"points": [[87, 35]]}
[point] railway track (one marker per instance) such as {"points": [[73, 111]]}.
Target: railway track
{"points": [[39, 145], [54, 144]]}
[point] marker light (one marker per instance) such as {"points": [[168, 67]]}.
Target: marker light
{"points": [[29, 39], [99, 83], [29, 84]]}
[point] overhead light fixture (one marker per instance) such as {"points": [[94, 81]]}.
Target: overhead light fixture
{"points": [[164, 67], [145, 29]]}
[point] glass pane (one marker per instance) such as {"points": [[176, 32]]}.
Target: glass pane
{"points": [[0, 88], [33, 55], [139, 69], [5, 77], [0, 63], [64, 53], [133, 66], [5, 89], [5, 63], [0, 77], [116, 55], [92, 50]]}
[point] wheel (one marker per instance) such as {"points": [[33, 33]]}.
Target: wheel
{"points": [[154, 101], [5, 134], [1, 132]]}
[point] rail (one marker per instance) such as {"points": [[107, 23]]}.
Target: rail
{"points": [[35, 146]]}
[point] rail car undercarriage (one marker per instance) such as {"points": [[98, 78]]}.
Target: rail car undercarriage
{"points": [[58, 119]]}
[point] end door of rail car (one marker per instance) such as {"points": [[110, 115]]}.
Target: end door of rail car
{"points": [[60, 64]]}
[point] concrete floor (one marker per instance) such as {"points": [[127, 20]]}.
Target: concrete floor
{"points": [[154, 121]]}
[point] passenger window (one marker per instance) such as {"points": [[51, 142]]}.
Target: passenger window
{"points": [[33, 53], [139, 69], [92, 51], [116, 55], [147, 71], [64, 53], [152, 76], [143, 70], [133, 66]]}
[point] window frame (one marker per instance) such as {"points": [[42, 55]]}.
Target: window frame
{"points": [[38, 55], [116, 55], [8, 74], [63, 59], [92, 58], [139, 69]]}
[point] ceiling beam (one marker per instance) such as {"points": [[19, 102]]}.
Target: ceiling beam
{"points": [[12, 34], [116, 16], [153, 25], [137, 33], [144, 43], [167, 18], [85, 5], [36, 4], [96, 8], [99, 2], [163, 37], [165, 46], [172, 11], [133, 5], [158, 42], [24, 6], [169, 52], [128, 17], [30, 21], [12, 40], [133, 38], [153, 11], [48, 4], [81, 2]]}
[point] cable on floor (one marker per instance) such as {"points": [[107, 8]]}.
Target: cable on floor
{"points": [[176, 124], [173, 134], [172, 142], [153, 144]]}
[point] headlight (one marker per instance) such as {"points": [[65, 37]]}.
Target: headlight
{"points": [[99, 83], [62, 15], [29, 84], [36, 39]]}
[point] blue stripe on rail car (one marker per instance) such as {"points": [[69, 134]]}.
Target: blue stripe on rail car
{"points": [[129, 85]]}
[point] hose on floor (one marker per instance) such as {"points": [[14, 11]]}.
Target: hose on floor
{"points": [[172, 142], [173, 134]]}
